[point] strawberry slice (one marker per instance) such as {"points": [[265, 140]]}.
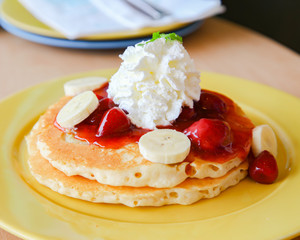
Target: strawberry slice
{"points": [[96, 116], [209, 134], [105, 104], [113, 121], [98, 96], [186, 114], [263, 169], [211, 102]]}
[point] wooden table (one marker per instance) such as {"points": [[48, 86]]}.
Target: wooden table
{"points": [[218, 46]]}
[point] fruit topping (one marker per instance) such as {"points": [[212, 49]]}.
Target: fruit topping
{"points": [[113, 121], [263, 168], [211, 102], [217, 148], [102, 91], [186, 114], [105, 104], [164, 146], [96, 116], [77, 109], [80, 85], [264, 138], [209, 134], [98, 96]]}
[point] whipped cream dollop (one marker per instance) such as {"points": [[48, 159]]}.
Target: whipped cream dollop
{"points": [[155, 80]]}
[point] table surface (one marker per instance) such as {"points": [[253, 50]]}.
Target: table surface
{"points": [[218, 46]]}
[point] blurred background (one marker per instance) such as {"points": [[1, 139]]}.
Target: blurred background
{"points": [[277, 19]]}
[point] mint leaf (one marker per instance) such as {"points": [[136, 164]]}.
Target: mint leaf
{"points": [[168, 37]]}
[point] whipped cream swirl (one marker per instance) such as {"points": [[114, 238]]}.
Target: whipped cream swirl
{"points": [[155, 80]]}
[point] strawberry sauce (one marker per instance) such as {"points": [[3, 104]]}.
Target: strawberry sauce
{"points": [[87, 130], [212, 105]]}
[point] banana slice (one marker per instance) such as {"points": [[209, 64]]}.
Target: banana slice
{"points": [[263, 138], [164, 146], [77, 109], [80, 85]]}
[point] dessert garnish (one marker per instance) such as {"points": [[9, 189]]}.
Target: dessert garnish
{"points": [[210, 134], [263, 168], [264, 138], [164, 146], [262, 162], [168, 37], [79, 85], [155, 80], [77, 109], [113, 121]]}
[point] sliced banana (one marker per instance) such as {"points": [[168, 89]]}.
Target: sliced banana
{"points": [[264, 138], [164, 146], [77, 109], [80, 85]]}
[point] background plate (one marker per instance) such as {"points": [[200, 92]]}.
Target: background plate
{"points": [[246, 211], [88, 44], [14, 13]]}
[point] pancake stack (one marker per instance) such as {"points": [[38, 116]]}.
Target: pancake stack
{"points": [[85, 171], [156, 86]]}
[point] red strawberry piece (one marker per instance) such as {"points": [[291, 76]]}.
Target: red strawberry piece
{"points": [[96, 116], [263, 169], [211, 102], [209, 134], [98, 96], [250, 157], [105, 104], [186, 114], [113, 121]]}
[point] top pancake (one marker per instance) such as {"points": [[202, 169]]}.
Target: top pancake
{"points": [[117, 167]]}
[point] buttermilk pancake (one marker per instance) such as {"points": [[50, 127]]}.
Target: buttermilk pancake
{"points": [[187, 192], [117, 167]]}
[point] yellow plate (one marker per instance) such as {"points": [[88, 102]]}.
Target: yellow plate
{"points": [[246, 211], [14, 13]]}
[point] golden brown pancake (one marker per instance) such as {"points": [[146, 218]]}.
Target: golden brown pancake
{"points": [[187, 192], [116, 167]]}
